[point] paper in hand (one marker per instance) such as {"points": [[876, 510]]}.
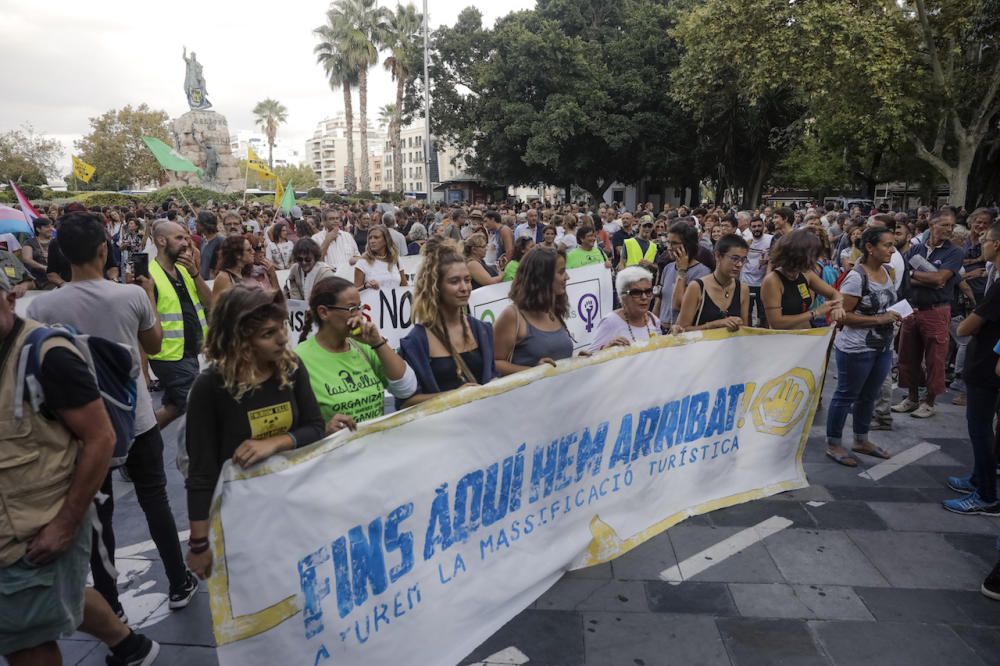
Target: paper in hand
{"points": [[903, 308]]}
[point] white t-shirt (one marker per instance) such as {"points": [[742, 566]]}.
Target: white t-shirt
{"points": [[380, 272], [280, 254], [613, 326], [108, 310], [341, 250], [10, 240], [755, 269], [898, 265], [568, 241]]}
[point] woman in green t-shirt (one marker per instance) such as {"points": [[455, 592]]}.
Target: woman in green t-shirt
{"points": [[350, 364], [586, 252], [521, 247]]}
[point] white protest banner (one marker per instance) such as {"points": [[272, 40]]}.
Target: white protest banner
{"points": [[589, 292], [590, 299], [413, 539], [390, 309]]}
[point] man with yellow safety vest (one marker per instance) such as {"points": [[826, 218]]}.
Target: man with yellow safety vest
{"points": [[182, 299], [640, 250]]}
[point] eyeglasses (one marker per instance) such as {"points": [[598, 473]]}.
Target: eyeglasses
{"points": [[350, 309], [737, 259], [640, 293], [302, 258]]}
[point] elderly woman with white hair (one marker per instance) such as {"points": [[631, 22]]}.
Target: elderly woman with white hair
{"points": [[632, 323]]}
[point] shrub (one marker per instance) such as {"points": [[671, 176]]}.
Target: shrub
{"points": [[31, 191], [315, 193], [91, 199], [332, 198], [365, 195], [7, 197], [193, 194]]}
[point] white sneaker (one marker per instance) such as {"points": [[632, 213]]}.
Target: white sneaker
{"points": [[906, 406], [924, 411]]}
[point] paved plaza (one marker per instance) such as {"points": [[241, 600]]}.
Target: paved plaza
{"points": [[851, 571]]}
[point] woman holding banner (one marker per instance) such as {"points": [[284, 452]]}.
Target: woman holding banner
{"points": [[475, 256], [533, 329], [378, 267], [448, 348], [350, 364], [719, 300], [253, 400], [632, 322]]}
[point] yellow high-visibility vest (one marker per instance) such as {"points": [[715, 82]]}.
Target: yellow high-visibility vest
{"points": [[634, 255], [168, 305]]}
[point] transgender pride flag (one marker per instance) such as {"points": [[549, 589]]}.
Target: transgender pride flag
{"points": [[30, 213]]}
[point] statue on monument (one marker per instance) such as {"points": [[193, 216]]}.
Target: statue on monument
{"points": [[194, 83], [211, 158]]}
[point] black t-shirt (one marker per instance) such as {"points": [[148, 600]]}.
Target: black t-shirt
{"points": [[980, 360], [217, 424], [65, 378]]}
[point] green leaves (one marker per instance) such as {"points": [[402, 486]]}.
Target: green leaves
{"points": [[115, 147]]}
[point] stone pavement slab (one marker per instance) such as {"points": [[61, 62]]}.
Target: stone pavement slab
{"points": [[753, 642], [811, 557], [924, 517], [546, 637], [893, 644], [809, 602], [702, 598], [984, 641], [751, 565], [653, 640], [930, 606], [918, 560], [845, 515], [588, 594]]}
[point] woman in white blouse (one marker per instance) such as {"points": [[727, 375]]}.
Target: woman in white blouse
{"points": [[378, 267]]}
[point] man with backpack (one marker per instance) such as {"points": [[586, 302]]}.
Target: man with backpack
{"points": [[52, 462], [125, 314]]}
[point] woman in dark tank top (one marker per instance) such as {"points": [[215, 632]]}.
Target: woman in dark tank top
{"points": [[789, 290], [719, 300], [533, 329]]}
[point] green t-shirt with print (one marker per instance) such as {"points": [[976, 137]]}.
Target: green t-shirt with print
{"points": [[578, 257], [510, 270], [351, 382]]}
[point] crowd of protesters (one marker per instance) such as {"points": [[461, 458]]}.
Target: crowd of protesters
{"points": [[194, 291]]}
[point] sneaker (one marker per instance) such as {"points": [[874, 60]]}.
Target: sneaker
{"points": [[924, 411], [183, 596], [959, 400], [961, 484], [971, 505], [905, 406], [991, 586], [880, 425], [144, 653]]}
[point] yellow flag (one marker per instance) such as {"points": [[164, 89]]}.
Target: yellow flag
{"points": [[82, 170], [258, 165], [279, 192]]}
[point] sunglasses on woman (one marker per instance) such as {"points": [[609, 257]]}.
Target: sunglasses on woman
{"points": [[640, 293]]}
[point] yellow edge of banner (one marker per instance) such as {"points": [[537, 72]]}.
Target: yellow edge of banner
{"points": [[230, 629]]}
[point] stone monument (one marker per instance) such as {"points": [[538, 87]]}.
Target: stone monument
{"points": [[202, 136]]}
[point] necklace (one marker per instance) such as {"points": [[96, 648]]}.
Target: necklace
{"points": [[628, 324], [725, 289]]}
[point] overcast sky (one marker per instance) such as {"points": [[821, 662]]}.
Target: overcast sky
{"points": [[66, 61]]}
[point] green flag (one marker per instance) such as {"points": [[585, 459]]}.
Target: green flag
{"points": [[288, 200], [169, 158]]}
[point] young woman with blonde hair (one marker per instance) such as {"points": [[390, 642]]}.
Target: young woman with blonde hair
{"points": [[378, 267], [448, 347]]}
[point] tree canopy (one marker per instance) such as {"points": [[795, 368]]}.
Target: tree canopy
{"points": [[27, 157], [115, 147]]}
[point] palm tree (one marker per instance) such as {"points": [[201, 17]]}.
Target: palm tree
{"points": [[341, 73], [386, 115], [400, 36], [359, 25], [270, 113]]}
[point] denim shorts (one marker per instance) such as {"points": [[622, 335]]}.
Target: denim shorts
{"points": [[44, 603], [176, 378]]}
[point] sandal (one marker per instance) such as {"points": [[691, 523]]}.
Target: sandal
{"points": [[844, 459], [874, 452]]}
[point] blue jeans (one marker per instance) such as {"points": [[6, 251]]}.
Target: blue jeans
{"points": [[981, 406], [859, 378]]}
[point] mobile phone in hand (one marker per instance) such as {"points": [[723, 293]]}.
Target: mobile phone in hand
{"points": [[140, 264]]}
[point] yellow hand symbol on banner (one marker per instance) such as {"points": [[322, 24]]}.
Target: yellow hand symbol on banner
{"points": [[781, 404]]}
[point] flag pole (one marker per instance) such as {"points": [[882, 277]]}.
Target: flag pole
{"points": [[246, 179], [182, 195]]}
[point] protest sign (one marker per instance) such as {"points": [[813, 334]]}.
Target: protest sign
{"points": [[589, 292], [590, 299], [419, 535]]}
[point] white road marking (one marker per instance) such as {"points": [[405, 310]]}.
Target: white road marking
{"points": [[507, 657], [898, 461], [723, 550], [815, 504]]}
